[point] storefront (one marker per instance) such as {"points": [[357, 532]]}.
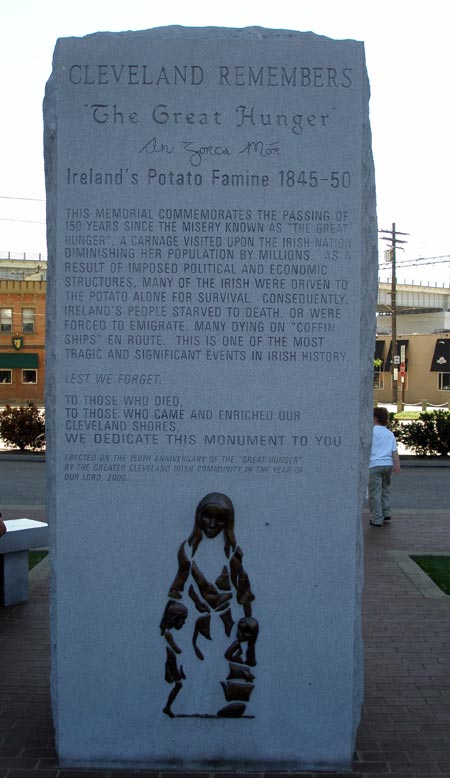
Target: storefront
{"points": [[425, 373]]}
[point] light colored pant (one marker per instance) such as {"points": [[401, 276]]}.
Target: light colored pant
{"points": [[380, 492]]}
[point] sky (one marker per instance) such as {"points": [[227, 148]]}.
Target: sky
{"points": [[406, 45]]}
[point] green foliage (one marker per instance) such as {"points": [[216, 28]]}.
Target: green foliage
{"points": [[407, 415], [34, 557], [429, 435], [437, 568], [395, 425], [23, 427]]}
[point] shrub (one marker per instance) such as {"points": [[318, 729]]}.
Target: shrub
{"points": [[429, 435], [395, 425], [23, 427]]}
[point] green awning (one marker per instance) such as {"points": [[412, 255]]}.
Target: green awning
{"points": [[20, 359]]}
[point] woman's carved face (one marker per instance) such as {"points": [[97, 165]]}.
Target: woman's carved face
{"points": [[213, 520]]}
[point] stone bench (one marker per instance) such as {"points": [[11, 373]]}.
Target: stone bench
{"points": [[21, 535]]}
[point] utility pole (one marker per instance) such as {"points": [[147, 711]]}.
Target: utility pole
{"points": [[391, 235]]}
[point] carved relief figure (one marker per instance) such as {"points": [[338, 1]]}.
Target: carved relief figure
{"points": [[213, 587]]}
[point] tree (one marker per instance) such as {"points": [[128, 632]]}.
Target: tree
{"points": [[23, 427]]}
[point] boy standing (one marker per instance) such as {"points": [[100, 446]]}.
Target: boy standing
{"points": [[384, 459]]}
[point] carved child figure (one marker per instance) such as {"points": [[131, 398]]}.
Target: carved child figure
{"points": [[219, 597]]}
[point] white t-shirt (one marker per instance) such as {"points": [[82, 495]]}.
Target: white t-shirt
{"points": [[383, 444]]}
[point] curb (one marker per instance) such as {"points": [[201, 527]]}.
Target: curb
{"points": [[423, 583], [13, 456], [410, 460]]}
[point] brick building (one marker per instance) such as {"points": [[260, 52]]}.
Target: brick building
{"points": [[22, 330]]}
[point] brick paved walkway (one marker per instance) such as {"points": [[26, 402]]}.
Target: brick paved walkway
{"points": [[405, 727]]}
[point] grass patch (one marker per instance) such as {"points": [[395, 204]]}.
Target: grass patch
{"points": [[437, 568], [34, 557], [407, 415]]}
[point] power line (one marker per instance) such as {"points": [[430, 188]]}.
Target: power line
{"points": [[31, 199], [419, 261], [20, 221]]}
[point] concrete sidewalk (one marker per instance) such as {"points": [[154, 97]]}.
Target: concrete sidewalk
{"points": [[405, 727]]}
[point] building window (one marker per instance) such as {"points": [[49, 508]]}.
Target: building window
{"points": [[5, 376], [5, 319], [378, 377], [444, 382], [28, 319], [29, 376]]}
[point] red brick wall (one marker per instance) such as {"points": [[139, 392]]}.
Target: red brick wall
{"points": [[18, 295]]}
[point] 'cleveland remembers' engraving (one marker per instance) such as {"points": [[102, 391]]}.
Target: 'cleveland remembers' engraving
{"points": [[212, 246]]}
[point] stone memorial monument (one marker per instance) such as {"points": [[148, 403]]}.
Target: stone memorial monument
{"points": [[211, 298]]}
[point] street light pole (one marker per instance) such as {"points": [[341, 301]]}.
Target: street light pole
{"points": [[394, 365], [391, 235]]}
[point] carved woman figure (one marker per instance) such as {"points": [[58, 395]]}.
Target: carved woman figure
{"points": [[211, 579]]}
